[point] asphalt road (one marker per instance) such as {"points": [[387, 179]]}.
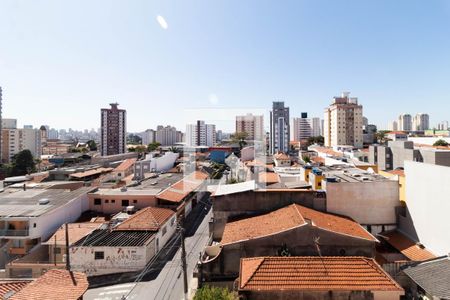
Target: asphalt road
{"points": [[168, 283]]}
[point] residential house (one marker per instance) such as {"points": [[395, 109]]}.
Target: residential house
{"points": [[315, 278], [128, 247]]}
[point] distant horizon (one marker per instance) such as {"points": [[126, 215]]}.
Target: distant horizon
{"points": [[161, 58]]}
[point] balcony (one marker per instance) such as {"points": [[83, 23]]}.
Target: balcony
{"points": [[14, 232]]}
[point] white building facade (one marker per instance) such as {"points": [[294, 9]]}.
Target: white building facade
{"points": [[302, 127], [200, 134]]}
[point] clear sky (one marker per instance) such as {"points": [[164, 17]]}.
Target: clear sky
{"points": [[61, 61]]}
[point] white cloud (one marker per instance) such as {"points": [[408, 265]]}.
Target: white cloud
{"points": [[213, 99], [162, 22]]}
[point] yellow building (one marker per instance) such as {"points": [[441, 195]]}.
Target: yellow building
{"points": [[400, 175]]}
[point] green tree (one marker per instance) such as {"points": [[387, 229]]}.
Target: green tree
{"points": [[23, 163], [440, 143], [306, 159], [319, 140], [153, 146], [214, 293], [382, 136], [92, 145], [174, 149], [134, 139], [239, 138]]}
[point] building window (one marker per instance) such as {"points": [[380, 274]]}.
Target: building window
{"points": [[125, 202], [57, 250], [97, 201], [164, 230], [34, 225], [106, 201], [134, 201], [172, 221], [113, 201], [99, 255]]}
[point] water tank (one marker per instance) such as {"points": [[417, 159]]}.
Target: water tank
{"points": [[44, 201]]}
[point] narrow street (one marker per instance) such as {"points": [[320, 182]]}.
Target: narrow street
{"points": [[168, 283]]}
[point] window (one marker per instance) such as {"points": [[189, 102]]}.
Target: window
{"points": [[106, 201], [113, 201], [164, 230], [97, 201], [134, 201], [172, 221], [99, 255], [57, 250], [125, 202], [34, 225]]}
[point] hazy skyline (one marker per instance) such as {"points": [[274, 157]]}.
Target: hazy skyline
{"points": [[61, 62]]}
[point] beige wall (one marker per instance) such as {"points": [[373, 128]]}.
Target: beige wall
{"points": [[111, 204]]}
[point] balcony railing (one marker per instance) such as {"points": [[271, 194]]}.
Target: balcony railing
{"points": [[14, 232]]}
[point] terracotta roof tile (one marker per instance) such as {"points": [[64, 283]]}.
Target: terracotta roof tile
{"points": [[91, 172], [76, 232], [178, 191], [287, 218], [125, 165], [281, 155], [150, 218], [314, 273], [11, 286], [397, 172], [55, 285], [406, 246]]}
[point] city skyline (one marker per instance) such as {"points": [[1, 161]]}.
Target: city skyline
{"points": [[245, 57]]}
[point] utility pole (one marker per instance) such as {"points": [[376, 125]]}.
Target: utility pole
{"points": [[67, 247], [183, 262]]}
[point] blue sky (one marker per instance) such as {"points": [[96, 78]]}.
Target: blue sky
{"points": [[61, 61]]}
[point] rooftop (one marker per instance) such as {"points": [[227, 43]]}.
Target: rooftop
{"points": [[268, 177], [180, 190], [107, 238], [89, 173], [432, 276], [345, 173], [76, 232], [314, 273], [125, 165], [55, 285], [227, 189], [20, 203], [8, 287], [406, 246], [287, 218], [150, 218]]}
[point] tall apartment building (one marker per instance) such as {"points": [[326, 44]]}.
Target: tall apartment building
{"points": [[405, 122], [343, 122], [113, 130], [280, 131], [302, 127], [16, 139], [252, 125], [443, 125], [393, 126], [167, 135], [200, 134], [421, 122], [148, 137], [316, 127]]}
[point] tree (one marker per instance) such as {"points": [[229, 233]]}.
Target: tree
{"points": [[153, 146], [134, 139], [319, 140], [239, 138], [174, 149], [23, 163], [92, 145], [306, 159], [440, 143], [381, 136], [214, 293]]}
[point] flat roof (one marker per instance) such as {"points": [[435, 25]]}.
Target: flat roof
{"points": [[161, 182], [20, 203]]}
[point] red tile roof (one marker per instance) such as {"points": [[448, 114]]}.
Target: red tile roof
{"points": [[406, 246], [55, 285], [150, 218], [288, 218], [125, 165], [180, 190], [11, 286], [91, 172], [328, 151], [397, 172], [76, 232], [281, 155], [314, 274]]}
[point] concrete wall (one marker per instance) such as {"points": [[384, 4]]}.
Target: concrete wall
{"points": [[298, 241], [257, 202], [114, 204], [428, 200], [116, 259], [368, 203]]}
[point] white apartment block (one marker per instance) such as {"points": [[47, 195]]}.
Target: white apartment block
{"points": [[343, 122], [15, 140], [316, 127], [200, 134], [148, 137], [421, 122], [167, 136], [393, 126], [252, 125], [302, 127]]}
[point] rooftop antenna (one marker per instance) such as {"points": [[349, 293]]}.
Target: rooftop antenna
{"points": [[316, 240]]}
